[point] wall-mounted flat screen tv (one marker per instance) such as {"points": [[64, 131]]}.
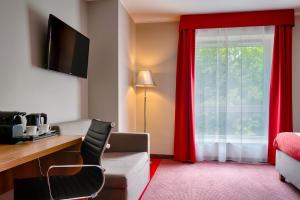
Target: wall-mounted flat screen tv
{"points": [[68, 50]]}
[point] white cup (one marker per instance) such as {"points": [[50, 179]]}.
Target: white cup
{"points": [[44, 128], [31, 130]]}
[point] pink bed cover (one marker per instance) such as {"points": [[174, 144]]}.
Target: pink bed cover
{"points": [[289, 143]]}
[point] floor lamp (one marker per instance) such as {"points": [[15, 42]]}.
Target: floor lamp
{"points": [[144, 79]]}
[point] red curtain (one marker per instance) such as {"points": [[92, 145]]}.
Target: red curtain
{"points": [[238, 19], [280, 114], [280, 118], [184, 139]]}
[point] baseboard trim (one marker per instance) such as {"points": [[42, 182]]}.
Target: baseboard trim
{"points": [[161, 156]]}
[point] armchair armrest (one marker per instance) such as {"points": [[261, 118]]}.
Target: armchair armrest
{"points": [[129, 142], [76, 166]]}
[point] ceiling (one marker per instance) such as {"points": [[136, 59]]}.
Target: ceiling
{"points": [[143, 11]]}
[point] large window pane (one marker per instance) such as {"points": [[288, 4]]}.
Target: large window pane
{"points": [[232, 88]]}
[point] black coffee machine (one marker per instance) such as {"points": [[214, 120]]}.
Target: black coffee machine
{"points": [[12, 126]]}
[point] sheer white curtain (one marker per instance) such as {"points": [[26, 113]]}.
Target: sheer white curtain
{"points": [[232, 93]]}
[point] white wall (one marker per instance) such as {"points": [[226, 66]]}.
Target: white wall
{"points": [[112, 56], [24, 84], [156, 49], [126, 72], [103, 61], [296, 74]]}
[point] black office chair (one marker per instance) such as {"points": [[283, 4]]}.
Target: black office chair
{"points": [[87, 183]]}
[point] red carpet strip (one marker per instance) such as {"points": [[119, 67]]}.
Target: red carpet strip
{"points": [[153, 167]]}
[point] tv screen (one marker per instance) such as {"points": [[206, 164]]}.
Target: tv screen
{"points": [[68, 50]]}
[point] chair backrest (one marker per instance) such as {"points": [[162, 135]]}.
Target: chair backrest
{"points": [[94, 143]]}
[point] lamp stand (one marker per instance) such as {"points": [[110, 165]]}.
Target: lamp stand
{"points": [[145, 109]]}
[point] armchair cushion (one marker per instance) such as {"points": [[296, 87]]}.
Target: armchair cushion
{"points": [[129, 142], [79, 127], [122, 167]]}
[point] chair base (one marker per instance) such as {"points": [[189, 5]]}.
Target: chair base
{"points": [[31, 188]]}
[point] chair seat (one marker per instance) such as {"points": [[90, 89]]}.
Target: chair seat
{"points": [[85, 183]]}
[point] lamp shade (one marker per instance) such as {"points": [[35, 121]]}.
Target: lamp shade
{"points": [[144, 79]]}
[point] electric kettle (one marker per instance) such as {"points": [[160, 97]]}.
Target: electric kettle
{"points": [[36, 119]]}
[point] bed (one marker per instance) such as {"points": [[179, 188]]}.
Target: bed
{"points": [[288, 157]]}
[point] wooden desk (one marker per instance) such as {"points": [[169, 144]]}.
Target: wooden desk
{"points": [[17, 154], [19, 160]]}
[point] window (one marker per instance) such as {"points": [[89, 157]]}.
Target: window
{"points": [[232, 93]]}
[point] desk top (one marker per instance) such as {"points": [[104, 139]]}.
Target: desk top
{"points": [[17, 154]]}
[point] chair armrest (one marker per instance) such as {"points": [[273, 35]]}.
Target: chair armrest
{"points": [[74, 166], [129, 142], [64, 157]]}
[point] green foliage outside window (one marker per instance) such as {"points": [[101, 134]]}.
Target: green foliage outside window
{"points": [[229, 85]]}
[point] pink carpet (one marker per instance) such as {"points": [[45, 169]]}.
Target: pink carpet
{"points": [[217, 181]]}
